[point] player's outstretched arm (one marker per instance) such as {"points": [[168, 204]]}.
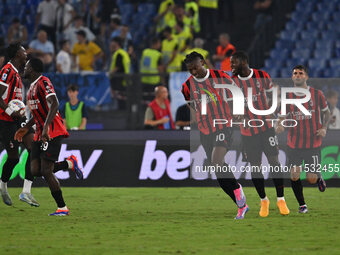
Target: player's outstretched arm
{"points": [[21, 132]]}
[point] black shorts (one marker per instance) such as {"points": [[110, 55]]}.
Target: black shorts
{"points": [[219, 138], [311, 158], [7, 132], [49, 150], [253, 146]]}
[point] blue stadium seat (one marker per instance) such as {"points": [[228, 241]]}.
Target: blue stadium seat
{"points": [[333, 26], [320, 44], [273, 63], [289, 35], [315, 73], [317, 64], [273, 72], [329, 35], [285, 72], [290, 63], [301, 53], [299, 17], [303, 44], [331, 73], [309, 35], [284, 44], [319, 16], [279, 54], [323, 53], [334, 63], [336, 16]]}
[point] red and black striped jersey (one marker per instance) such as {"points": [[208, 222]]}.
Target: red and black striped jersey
{"points": [[10, 78], [216, 100], [303, 136], [260, 83], [37, 96]]}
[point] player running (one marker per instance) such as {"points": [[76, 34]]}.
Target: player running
{"points": [[304, 140], [258, 140], [11, 88], [50, 130], [215, 139]]}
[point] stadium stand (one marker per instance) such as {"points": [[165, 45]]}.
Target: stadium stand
{"points": [[311, 37]]}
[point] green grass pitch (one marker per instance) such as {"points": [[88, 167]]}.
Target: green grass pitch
{"points": [[168, 221]]}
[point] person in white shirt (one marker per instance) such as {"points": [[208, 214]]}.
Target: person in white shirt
{"points": [[332, 99], [46, 18], [63, 59], [78, 24], [64, 17]]}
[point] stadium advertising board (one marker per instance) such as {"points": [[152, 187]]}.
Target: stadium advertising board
{"points": [[139, 159]]}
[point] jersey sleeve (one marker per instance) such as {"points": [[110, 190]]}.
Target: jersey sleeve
{"points": [[95, 48], [186, 92], [4, 76], [322, 100], [47, 88], [268, 85]]}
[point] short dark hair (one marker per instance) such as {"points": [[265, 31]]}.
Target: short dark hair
{"points": [[154, 40], [192, 57], [118, 40], [37, 65], [301, 67], [116, 20], [13, 49], [15, 20], [167, 29], [62, 43], [241, 55], [73, 87]]}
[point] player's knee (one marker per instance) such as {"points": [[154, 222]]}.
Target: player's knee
{"points": [[312, 179]]}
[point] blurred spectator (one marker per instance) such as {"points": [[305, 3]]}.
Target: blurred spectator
{"points": [[78, 5], [87, 52], [332, 99], [165, 15], [198, 47], [93, 17], [63, 58], [46, 18], [2, 52], [17, 32], [208, 11], [264, 10], [71, 32], [108, 7], [74, 113], [151, 63], [191, 10], [119, 30], [180, 16], [65, 14], [183, 36], [169, 51], [183, 117], [224, 52], [158, 113], [42, 49], [120, 64]]}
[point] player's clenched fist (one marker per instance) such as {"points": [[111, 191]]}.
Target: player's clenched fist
{"points": [[21, 132]]}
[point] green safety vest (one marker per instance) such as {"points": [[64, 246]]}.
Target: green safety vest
{"points": [[213, 4], [194, 21], [149, 65], [126, 60], [73, 117], [167, 49]]}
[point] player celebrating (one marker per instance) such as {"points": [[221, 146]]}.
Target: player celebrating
{"points": [[257, 140], [215, 139], [50, 130], [304, 140], [11, 88]]}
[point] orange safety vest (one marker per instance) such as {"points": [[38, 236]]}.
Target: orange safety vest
{"points": [[225, 64]]}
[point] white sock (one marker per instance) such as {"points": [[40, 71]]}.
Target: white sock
{"points": [[27, 186], [3, 185], [70, 164], [280, 198], [63, 208], [266, 198]]}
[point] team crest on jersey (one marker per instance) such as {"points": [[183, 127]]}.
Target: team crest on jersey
{"points": [[4, 77], [311, 103]]}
